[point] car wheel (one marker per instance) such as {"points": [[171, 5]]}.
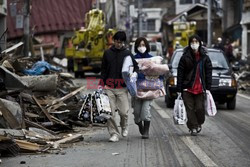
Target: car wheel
{"points": [[169, 102], [231, 104]]}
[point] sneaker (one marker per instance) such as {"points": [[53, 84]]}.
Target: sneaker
{"points": [[124, 132], [198, 129], [193, 132], [114, 138]]}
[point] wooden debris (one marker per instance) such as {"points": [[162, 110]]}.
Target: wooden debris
{"points": [[9, 117], [31, 115], [67, 139], [23, 144], [50, 117], [40, 134], [43, 110], [12, 132], [8, 146], [66, 97], [33, 124], [13, 47], [8, 92]]}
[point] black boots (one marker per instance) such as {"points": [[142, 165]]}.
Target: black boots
{"points": [[141, 128], [146, 130]]}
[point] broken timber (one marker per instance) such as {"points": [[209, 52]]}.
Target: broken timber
{"points": [[67, 139], [50, 117], [66, 97]]}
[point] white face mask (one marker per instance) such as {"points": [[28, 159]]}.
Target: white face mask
{"points": [[195, 46], [142, 49]]}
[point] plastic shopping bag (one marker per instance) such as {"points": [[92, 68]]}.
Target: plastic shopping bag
{"points": [[180, 115], [129, 76], [210, 105], [103, 105]]}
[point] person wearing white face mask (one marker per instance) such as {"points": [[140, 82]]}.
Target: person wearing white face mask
{"points": [[142, 49], [195, 46], [142, 102], [194, 77]]}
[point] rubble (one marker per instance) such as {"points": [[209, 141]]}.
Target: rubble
{"points": [[37, 109], [243, 75]]}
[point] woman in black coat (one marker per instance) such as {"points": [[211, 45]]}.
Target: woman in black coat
{"points": [[194, 77]]}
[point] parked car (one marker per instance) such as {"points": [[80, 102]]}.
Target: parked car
{"points": [[224, 84]]}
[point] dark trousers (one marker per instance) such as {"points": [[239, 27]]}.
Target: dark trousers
{"points": [[195, 109]]}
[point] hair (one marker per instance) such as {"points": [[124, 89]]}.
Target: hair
{"points": [[137, 43], [191, 39], [120, 35]]}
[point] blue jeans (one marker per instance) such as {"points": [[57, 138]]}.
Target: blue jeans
{"points": [[142, 109]]}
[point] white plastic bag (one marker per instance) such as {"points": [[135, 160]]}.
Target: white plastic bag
{"points": [[103, 105], [210, 105], [180, 114], [129, 76]]}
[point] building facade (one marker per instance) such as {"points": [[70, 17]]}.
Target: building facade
{"points": [[3, 25], [117, 13], [182, 5], [151, 22], [245, 23]]}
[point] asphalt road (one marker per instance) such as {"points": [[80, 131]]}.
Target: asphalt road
{"points": [[224, 141]]}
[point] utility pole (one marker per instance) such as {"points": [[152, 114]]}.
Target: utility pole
{"points": [[209, 20], [26, 28], [97, 4], [139, 18], [127, 23]]}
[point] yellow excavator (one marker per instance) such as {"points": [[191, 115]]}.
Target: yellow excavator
{"points": [[85, 49], [182, 32]]}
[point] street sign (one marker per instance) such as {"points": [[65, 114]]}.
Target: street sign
{"points": [[19, 21], [13, 9]]}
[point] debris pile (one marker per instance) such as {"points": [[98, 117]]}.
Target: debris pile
{"points": [[39, 104], [243, 75]]}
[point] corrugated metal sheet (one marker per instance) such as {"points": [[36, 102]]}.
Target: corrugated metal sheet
{"points": [[49, 16]]}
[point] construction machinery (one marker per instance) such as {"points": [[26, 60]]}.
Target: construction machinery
{"points": [[85, 49], [182, 32]]}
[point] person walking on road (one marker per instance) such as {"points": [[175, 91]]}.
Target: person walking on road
{"points": [[111, 78], [145, 95], [194, 77], [229, 50], [219, 45]]}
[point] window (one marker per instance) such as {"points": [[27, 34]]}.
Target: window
{"points": [[148, 25], [188, 1], [151, 25], [217, 58]]}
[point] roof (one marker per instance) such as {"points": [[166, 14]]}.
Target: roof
{"points": [[51, 16], [234, 32], [194, 8]]}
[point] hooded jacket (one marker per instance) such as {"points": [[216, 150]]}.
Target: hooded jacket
{"points": [[188, 65], [112, 63]]}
